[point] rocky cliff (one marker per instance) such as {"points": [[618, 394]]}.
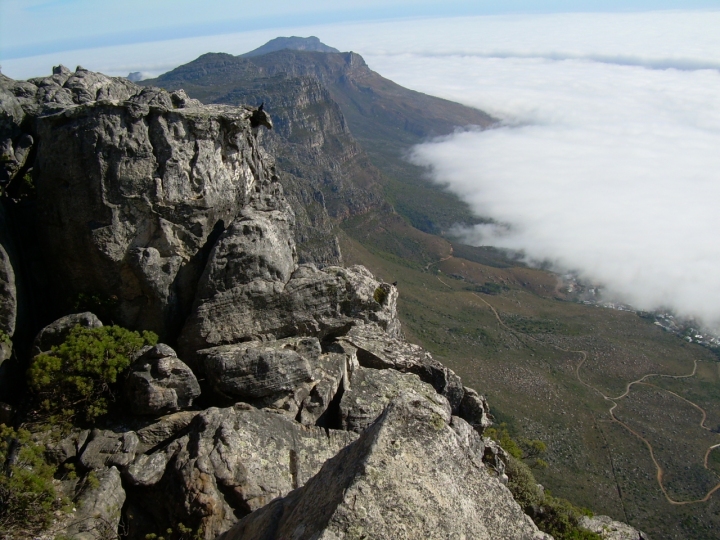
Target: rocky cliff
{"points": [[293, 407]]}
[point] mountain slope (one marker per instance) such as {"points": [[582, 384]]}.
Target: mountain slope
{"points": [[385, 118]]}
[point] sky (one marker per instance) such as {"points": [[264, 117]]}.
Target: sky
{"points": [[606, 157]]}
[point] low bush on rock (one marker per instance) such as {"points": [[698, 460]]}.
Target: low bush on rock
{"points": [[76, 380], [552, 515], [27, 495]]}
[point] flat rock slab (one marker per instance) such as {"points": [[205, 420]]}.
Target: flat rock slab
{"points": [[371, 390], [254, 370], [379, 350]]}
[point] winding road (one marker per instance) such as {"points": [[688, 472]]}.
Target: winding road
{"points": [[614, 400]]}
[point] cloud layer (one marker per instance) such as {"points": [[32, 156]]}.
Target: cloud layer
{"points": [[608, 169]]}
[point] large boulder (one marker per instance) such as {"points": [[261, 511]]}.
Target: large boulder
{"points": [[99, 509], [371, 390], [251, 293], [254, 370], [55, 333], [133, 186], [159, 382], [232, 462], [409, 475], [106, 448]]}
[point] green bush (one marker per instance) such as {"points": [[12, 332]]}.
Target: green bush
{"points": [[555, 516], [77, 380], [27, 495], [560, 519], [522, 484], [379, 295]]}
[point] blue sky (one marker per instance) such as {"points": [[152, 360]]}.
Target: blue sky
{"points": [[36, 27]]}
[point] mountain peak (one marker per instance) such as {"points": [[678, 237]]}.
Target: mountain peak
{"points": [[295, 43]]}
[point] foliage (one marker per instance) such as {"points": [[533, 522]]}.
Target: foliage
{"points": [[101, 305], [5, 338], [76, 380], [555, 516], [560, 518], [379, 295], [182, 533], [502, 436], [522, 484], [488, 288], [27, 495]]}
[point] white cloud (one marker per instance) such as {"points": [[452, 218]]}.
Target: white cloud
{"points": [[613, 171]]}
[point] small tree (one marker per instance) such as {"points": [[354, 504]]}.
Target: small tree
{"points": [[77, 379]]}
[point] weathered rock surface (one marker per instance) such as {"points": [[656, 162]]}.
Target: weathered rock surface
{"points": [[371, 390], [107, 448], [8, 295], [159, 382], [133, 185], [233, 461], [255, 370], [99, 509], [408, 476], [56, 333], [609, 529], [377, 350], [475, 410], [311, 302]]}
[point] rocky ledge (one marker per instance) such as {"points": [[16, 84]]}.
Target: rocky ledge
{"points": [[293, 408]]}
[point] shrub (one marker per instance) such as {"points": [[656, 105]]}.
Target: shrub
{"points": [[77, 379], [522, 484], [552, 515], [379, 295], [27, 495]]}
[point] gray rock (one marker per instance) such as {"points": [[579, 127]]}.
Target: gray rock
{"points": [[255, 370], [236, 460], [312, 302], [407, 476], [331, 377], [66, 448], [137, 216], [475, 410], [163, 429], [159, 382], [8, 290], [55, 333], [378, 350], [106, 448], [609, 529], [148, 469], [99, 509], [370, 392]]}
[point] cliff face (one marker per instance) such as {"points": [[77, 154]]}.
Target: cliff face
{"points": [[309, 396], [324, 172]]}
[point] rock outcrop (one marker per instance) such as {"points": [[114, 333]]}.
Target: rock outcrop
{"points": [[320, 420], [609, 529], [408, 476]]}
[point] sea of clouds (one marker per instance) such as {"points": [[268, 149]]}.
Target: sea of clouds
{"points": [[606, 157]]}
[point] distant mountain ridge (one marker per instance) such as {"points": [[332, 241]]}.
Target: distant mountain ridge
{"points": [[293, 42], [385, 118]]}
